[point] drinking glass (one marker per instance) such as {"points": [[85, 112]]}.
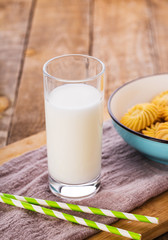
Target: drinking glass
{"points": [[74, 93]]}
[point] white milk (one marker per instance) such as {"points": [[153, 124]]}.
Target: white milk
{"points": [[74, 130]]}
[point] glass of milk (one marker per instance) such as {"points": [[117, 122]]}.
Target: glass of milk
{"points": [[74, 93]]}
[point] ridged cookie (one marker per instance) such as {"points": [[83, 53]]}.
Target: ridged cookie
{"points": [[140, 116]]}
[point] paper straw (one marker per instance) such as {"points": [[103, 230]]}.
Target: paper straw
{"points": [[85, 209], [71, 218]]}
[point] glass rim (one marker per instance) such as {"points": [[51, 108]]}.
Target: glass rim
{"points": [[73, 81]]}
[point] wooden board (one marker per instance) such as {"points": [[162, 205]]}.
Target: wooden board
{"points": [[130, 37], [14, 22], [122, 40], [154, 207], [157, 11]]}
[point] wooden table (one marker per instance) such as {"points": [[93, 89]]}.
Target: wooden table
{"points": [[130, 36]]}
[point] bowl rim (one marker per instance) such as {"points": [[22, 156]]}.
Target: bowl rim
{"points": [[123, 126]]}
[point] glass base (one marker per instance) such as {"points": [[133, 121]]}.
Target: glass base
{"points": [[74, 191]]}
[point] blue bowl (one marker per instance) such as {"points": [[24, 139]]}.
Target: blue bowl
{"points": [[134, 92]]}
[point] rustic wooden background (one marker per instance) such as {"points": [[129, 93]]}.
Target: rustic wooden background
{"points": [[130, 36]]}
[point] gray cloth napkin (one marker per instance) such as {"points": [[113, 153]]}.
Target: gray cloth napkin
{"points": [[128, 180]]}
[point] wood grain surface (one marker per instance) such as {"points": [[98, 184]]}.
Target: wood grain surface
{"points": [[157, 11], [121, 38], [14, 22], [129, 36], [64, 29]]}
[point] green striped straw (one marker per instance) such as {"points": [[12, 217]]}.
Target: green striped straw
{"points": [[71, 218], [78, 208]]}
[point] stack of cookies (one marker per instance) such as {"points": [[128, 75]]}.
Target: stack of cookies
{"points": [[150, 119]]}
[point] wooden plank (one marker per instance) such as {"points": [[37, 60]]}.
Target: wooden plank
{"points": [[159, 31], [25, 145], [14, 21], [122, 40], [58, 27]]}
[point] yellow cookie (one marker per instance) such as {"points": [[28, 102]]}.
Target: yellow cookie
{"points": [[162, 131], [151, 131], [160, 113], [140, 116], [164, 113], [161, 99]]}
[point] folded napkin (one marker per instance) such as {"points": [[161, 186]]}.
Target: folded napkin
{"points": [[128, 180]]}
